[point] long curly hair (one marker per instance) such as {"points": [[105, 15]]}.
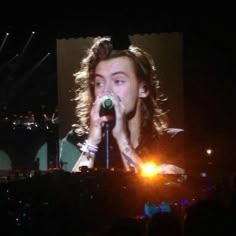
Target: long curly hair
{"points": [[102, 49]]}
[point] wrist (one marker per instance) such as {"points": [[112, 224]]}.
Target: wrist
{"points": [[93, 141], [123, 141]]}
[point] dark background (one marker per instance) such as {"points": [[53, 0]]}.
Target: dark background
{"points": [[208, 61]]}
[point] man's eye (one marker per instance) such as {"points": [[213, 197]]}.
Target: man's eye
{"points": [[119, 81], [99, 84]]}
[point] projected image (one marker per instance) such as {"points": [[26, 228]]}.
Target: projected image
{"points": [[120, 102]]}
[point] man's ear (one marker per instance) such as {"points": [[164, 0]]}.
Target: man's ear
{"points": [[143, 90]]}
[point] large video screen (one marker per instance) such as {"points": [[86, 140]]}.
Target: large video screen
{"points": [[165, 48]]}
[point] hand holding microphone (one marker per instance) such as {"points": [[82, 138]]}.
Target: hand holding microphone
{"points": [[107, 110], [107, 107], [102, 112]]}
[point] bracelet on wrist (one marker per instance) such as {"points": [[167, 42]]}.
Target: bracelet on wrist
{"points": [[88, 148]]}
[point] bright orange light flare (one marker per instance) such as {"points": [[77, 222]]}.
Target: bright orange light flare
{"points": [[149, 169]]}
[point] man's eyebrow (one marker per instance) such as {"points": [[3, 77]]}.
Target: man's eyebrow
{"points": [[113, 74], [120, 72], [98, 75]]}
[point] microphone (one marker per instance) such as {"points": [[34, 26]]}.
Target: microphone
{"points": [[107, 103], [107, 106], [107, 109]]}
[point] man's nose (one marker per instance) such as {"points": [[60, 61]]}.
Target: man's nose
{"points": [[107, 88]]}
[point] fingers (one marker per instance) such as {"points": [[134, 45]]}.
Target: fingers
{"points": [[118, 107], [95, 118], [96, 105]]}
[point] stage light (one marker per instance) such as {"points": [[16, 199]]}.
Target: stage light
{"points": [[149, 169], [27, 43], [209, 151], [4, 41]]}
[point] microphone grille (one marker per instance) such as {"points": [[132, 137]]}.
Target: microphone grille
{"points": [[107, 102]]}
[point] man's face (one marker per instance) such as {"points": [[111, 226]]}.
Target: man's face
{"points": [[117, 76]]}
